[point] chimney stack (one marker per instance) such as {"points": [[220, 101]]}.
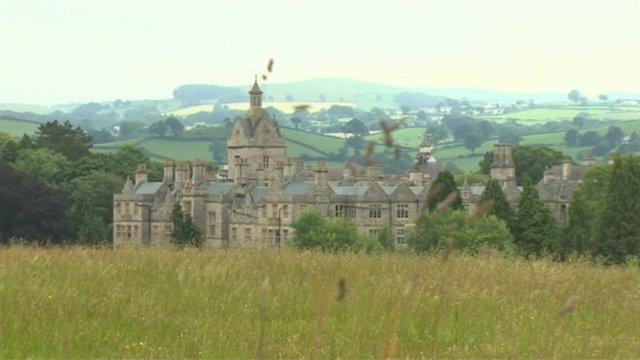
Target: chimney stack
{"points": [[182, 173], [566, 168], [141, 174], [199, 171], [320, 175], [168, 172]]}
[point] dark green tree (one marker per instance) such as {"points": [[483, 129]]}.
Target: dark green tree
{"points": [[72, 142], [531, 161], [183, 230], [535, 229], [296, 122], [572, 138], [443, 187], [473, 140], [585, 211], [159, 127], [574, 96], [175, 125], [619, 233], [500, 208]]}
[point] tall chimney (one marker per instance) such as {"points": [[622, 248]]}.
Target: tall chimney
{"points": [[320, 175], [182, 173], [141, 174], [199, 171], [566, 168], [168, 172]]}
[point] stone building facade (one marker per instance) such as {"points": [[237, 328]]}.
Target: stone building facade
{"points": [[266, 191], [556, 187]]}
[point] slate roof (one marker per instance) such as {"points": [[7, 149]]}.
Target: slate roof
{"points": [[148, 188], [216, 188], [257, 193], [349, 190], [298, 188]]}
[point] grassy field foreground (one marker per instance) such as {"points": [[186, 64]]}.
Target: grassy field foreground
{"points": [[155, 303]]}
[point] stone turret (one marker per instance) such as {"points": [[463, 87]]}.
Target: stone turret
{"points": [[141, 174], [503, 167], [128, 187], [255, 95]]}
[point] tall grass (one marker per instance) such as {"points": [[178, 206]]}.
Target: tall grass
{"points": [[160, 302]]}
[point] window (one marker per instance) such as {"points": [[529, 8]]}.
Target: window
{"points": [[400, 236], [375, 211], [285, 211], [272, 236], [264, 211], [234, 234], [402, 211], [136, 209], [264, 234], [135, 231], [212, 223], [247, 235], [302, 207], [285, 234], [274, 211], [374, 233], [350, 211], [339, 211], [128, 232], [265, 162]]}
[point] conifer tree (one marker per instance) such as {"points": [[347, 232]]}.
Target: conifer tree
{"points": [[500, 208], [619, 229], [535, 229], [183, 230], [441, 188]]}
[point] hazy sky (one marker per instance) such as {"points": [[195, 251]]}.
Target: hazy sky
{"points": [[55, 51]]}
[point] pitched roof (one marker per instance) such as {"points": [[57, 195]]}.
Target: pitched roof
{"points": [[148, 188], [216, 188], [298, 188]]}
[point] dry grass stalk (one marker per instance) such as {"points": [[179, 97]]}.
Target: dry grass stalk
{"points": [[570, 305], [342, 289], [368, 153], [446, 203], [481, 210], [301, 107], [270, 65]]}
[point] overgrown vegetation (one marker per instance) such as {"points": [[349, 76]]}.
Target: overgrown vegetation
{"points": [[161, 303]]}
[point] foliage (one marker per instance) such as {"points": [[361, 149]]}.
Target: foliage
{"points": [[453, 229], [184, 232], [31, 210], [530, 161], [92, 206], [585, 211], [572, 138], [159, 127], [574, 95], [312, 231], [44, 165], [619, 232], [356, 127], [129, 128], [175, 125], [535, 230], [64, 139], [441, 188], [500, 208]]}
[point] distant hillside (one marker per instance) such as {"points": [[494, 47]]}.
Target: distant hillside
{"points": [[36, 109]]}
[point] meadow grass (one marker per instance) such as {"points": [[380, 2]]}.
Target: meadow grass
{"points": [[166, 303], [17, 128]]}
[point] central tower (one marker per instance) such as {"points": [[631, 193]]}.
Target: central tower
{"points": [[255, 148]]}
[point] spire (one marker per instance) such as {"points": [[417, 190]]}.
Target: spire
{"points": [[255, 95]]}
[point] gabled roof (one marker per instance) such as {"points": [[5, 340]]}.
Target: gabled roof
{"points": [[349, 190], [298, 188], [148, 188], [257, 193], [223, 188]]}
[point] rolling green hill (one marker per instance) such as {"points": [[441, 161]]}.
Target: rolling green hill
{"points": [[17, 128], [36, 109]]}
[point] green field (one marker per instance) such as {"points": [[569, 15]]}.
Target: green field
{"points": [[17, 128], [163, 303], [542, 115]]}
